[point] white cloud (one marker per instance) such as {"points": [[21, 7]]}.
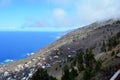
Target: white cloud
{"points": [[72, 13], [77, 13], [61, 18], [84, 12], [98, 10], [58, 12], [60, 15], [35, 23]]}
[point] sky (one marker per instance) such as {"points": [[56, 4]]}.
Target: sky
{"points": [[54, 15]]}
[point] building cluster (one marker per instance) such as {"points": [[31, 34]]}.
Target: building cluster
{"points": [[25, 71]]}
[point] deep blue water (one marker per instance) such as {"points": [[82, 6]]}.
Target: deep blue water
{"points": [[17, 45]]}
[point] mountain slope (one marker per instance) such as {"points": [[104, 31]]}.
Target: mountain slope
{"points": [[88, 37]]}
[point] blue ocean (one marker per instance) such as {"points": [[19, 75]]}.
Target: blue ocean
{"points": [[19, 45]]}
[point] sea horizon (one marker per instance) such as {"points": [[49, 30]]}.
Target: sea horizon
{"points": [[16, 45]]}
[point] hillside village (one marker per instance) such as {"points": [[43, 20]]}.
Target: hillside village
{"points": [[63, 52]]}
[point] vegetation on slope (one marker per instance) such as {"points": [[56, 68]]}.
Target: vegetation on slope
{"points": [[85, 63], [41, 74]]}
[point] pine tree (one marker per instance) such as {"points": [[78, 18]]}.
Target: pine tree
{"points": [[87, 74], [97, 66], [41, 74], [89, 58], [73, 73], [66, 75], [103, 48], [113, 53], [80, 61]]}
